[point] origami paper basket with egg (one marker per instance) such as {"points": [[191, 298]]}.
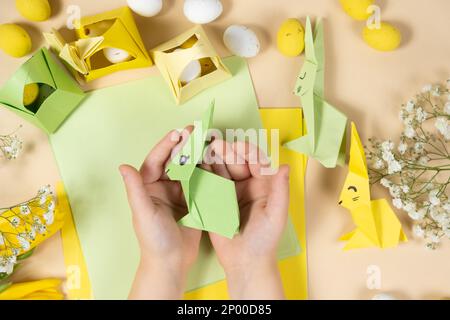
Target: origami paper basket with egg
{"points": [[58, 96], [171, 63], [112, 29]]}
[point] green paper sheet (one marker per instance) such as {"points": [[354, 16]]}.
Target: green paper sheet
{"points": [[59, 93], [325, 138], [120, 125]]}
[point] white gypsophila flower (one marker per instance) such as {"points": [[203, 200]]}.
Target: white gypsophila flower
{"points": [[418, 231], [51, 206], [423, 160], [394, 190], [6, 267], [379, 164], [25, 210], [436, 92], [409, 206], [418, 147], [405, 188], [427, 88], [410, 106], [446, 206], [397, 203], [432, 197], [408, 121], [409, 132], [447, 232], [387, 146], [49, 217], [403, 115], [45, 190], [447, 107], [421, 115], [15, 221], [442, 126], [42, 199], [417, 215], [402, 147], [387, 156], [434, 237], [394, 167], [385, 182], [24, 244], [32, 234]]}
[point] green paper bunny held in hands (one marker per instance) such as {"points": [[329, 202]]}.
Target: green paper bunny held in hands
{"points": [[326, 126], [211, 199], [167, 199]]}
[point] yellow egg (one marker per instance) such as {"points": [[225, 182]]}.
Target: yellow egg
{"points": [[30, 93], [291, 38], [385, 38], [357, 9], [34, 10], [14, 40]]}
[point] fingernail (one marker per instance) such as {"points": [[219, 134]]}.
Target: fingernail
{"points": [[175, 136], [122, 172]]}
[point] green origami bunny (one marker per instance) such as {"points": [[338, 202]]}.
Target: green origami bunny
{"points": [[211, 200], [326, 126]]}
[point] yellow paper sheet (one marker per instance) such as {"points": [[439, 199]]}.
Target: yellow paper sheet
{"points": [[77, 283], [294, 269]]}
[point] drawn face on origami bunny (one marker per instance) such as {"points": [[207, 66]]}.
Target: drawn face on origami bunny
{"points": [[356, 190], [306, 79]]}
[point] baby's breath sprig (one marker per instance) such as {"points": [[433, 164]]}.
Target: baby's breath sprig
{"points": [[416, 170], [10, 145], [20, 225]]}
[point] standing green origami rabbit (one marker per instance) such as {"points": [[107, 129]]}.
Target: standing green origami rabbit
{"points": [[211, 200], [326, 126]]}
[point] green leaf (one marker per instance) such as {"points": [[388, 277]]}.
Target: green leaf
{"points": [[5, 286], [25, 255], [4, 275]]}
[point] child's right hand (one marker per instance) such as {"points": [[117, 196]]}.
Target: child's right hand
{"points": [[250, 258]]}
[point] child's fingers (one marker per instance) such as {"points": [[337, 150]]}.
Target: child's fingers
{"points": [[138, 199], [255, 158], [216, 158], [278, 201], [153, 167]]}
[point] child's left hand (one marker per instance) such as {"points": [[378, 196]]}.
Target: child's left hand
{"points": [[167, 249]]}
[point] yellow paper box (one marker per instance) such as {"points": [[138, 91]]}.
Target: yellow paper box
{"points": [[195, 46], [112, 29]]}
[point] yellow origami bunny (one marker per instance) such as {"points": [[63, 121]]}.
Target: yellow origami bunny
{"points": [[376, 223]]}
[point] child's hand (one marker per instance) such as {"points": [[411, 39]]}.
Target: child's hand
{"points": [[167, 249], [249, 259]]}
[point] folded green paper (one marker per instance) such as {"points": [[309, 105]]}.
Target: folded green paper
{"points": [[325, 125], [211, 199], [58, 96]]}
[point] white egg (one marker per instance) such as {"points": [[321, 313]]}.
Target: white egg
{"points": [[191, 72], [146, 8], [241, 41], [202, 11], [115, 55], [383, 296]]}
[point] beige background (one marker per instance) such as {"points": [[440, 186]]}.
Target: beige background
{"points": [[368, 86]]}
